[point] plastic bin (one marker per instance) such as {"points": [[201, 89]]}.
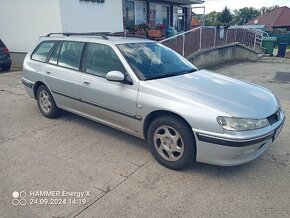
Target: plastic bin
{"points": [[269, 43], [282, 49]]}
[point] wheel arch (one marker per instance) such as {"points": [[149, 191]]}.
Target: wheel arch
{"points": [[150, 117], [36, 86]]}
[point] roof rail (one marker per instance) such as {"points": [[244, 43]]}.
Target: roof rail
{"points": [[124, 34], [80, 34], [101, 34]]}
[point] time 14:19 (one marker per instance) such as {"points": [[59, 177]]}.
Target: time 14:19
{"points": [[77, 201]]}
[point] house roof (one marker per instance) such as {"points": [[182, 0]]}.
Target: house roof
{"points": [[279, 17], [183, 2]]}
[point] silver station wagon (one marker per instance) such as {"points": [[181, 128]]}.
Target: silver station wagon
{"points": [[146, 89]]}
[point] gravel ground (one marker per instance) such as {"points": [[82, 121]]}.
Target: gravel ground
{"points": [[116, 172]]}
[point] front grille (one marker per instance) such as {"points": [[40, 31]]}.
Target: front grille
{"points": [[274, 118]]}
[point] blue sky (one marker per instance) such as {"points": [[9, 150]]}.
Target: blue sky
{"points": [[218, 5]]}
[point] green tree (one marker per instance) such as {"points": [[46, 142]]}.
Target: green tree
{"points": [[239, 17], [264, 10], [225, 17], [243, 15], [211, 18]]}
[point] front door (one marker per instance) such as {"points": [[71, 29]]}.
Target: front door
{"points": [[180, 23], [113, 103]]}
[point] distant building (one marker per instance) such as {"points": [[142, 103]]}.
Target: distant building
{"points": [[277, 18]]}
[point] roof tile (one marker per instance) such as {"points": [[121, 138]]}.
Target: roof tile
{"points": [[279, 17]]}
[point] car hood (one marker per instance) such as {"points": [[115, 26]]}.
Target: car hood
{"points": [[231, 96]]}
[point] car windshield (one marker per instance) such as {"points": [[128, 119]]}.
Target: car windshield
{"points": [[153, 61]]}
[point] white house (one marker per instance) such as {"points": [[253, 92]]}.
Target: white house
{"points": [[23, 21]]}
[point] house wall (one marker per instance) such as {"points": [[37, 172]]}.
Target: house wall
{"points": [[23, 21], [86, 16]]}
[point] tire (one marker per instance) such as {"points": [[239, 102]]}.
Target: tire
{"points": [[172, 142], [46, 103], [7, 67]]}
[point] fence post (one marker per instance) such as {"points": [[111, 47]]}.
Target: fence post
{"points": [[200, 37], [227, 36], [236, 34], [214, 40], [183, 44], [255, 41]]}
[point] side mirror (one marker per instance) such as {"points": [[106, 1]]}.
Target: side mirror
{"points": [[115, 76]]}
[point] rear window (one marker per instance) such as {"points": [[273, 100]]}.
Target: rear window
{"points": [[42, 51], [2, 45]]}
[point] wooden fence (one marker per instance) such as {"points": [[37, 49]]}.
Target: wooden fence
{"points": [[202, 38]]}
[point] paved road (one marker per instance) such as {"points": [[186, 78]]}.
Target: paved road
{"points": [[116, 173]]}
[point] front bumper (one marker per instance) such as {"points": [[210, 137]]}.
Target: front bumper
{"points": [[28, 85], [232, 151]]}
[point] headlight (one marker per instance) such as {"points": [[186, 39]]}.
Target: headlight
{"points": [[241, 124]]}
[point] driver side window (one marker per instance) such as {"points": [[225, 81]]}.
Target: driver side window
{"points": [[102, 59]]}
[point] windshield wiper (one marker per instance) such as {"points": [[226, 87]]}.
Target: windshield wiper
{"points": [[162, 76], [188, 71], [170, 74]]}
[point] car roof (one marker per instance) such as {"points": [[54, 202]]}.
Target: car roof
{"points": [[124, 40], [99, 38]]}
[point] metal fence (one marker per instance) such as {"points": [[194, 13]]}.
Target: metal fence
{"points": [[203, 37]]}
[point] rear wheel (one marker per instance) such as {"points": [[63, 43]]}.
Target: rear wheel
{"points": [[172, 142], [46, 103]]}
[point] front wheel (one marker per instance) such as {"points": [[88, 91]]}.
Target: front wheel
{"points": [[172, 142], [46, 103]]}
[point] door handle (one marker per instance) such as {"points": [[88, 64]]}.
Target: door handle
{"points": [[87, 83], [48, 73]]}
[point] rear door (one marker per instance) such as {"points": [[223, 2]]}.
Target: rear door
{"points": [[62, 74], [111, 102], [35, 64]]}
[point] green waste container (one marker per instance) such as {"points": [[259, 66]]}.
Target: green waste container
{"points": [[269, 43]]}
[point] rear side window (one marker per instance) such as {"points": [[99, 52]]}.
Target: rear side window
{"points": [[42, 51], [70, 54], [102, 59]]}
